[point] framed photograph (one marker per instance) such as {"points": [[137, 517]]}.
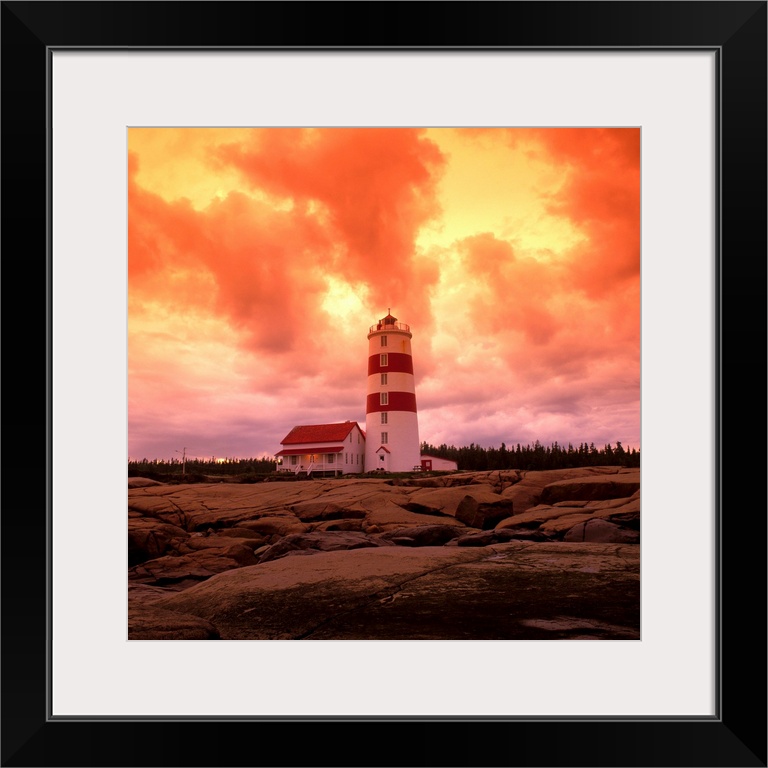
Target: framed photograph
{"points": [[89, 89]]}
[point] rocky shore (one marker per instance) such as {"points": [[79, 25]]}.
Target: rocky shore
{"points": [[467, 556]]}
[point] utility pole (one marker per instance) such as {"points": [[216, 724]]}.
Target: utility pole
{"points": [[183, 461]]}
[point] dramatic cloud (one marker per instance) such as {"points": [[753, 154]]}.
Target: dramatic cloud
{"points": [[372, 188]]}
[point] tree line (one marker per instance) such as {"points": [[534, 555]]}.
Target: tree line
{"points": [[534, 457], [212, 466], [472, 457]]}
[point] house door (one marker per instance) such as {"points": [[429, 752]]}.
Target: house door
{"points": [[426, 465]]}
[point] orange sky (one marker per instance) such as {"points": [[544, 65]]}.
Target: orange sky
{"points": [[258, 259]]}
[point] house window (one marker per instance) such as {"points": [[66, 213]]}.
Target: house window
{"points": [[383, 360], [350, 437], [330, 458], [346, 458], [384, 417], [384, 437], [383, 341], [294, 460], [383, 398], [384, 378]]}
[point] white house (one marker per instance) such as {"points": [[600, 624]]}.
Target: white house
{"points": [[429, 463], [337, 449]]}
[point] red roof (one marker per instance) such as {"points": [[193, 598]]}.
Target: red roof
{"points": [[300, 451], [383, 448], [319, 433]]}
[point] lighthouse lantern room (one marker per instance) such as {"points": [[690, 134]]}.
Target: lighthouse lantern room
{"points": [[391, 422]]}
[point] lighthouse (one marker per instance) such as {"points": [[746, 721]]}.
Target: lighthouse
{"points": [[391, 424]]}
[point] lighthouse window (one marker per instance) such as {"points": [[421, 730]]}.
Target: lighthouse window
{"points": [[383, 398], [383, 378], [384, 417], [384, 437], [383, 341], [383, 360]]}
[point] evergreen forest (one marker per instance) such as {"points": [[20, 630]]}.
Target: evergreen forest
{"points": [[535, 457]]}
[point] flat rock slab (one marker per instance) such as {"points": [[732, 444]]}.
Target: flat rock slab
{"points": [[527, 492], [603, 531], [142, 482], [195, 566], [150, 623], [509, 591], [557, 522], [592, 488]]}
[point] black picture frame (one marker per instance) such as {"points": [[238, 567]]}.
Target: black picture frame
{"points": [[736, 736]]}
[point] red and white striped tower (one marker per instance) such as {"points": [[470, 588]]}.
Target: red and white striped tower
{"points": [[391, 424]]}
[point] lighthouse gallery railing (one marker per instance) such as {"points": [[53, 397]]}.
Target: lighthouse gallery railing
{"points": [[390, 327]]}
